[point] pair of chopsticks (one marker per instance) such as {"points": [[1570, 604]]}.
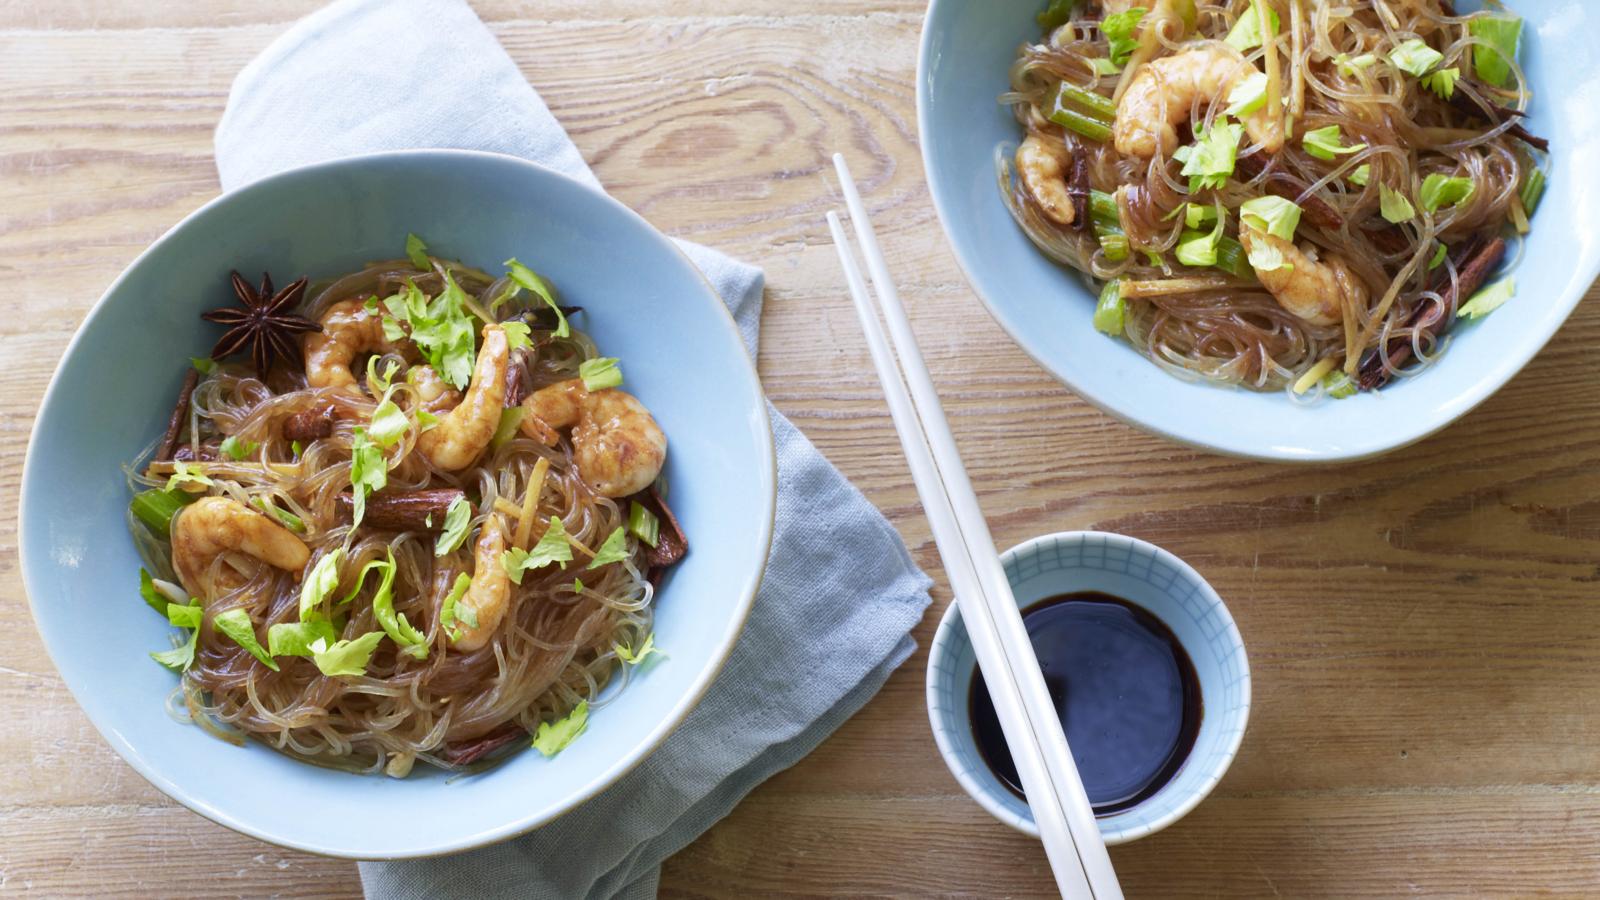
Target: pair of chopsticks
{"points": [[1027, 715]]}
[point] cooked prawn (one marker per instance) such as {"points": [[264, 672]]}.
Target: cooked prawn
{"points": [[348, 329], [1163, 91], [616, 443], [1314, 290], [1043, 171], [436, 394], [212, 526], [464, 431], [488, 595]]}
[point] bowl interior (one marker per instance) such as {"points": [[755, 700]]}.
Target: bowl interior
{"points": [[643, 302], [1153, 579], [967, 49]]}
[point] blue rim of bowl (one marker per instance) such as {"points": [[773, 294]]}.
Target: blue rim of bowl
{"points": [[649, 744], [1005, 816], [1483, 389]]}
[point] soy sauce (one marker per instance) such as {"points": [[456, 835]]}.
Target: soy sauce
{"points": [[1124, 688]]}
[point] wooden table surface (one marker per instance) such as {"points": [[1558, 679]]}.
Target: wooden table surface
{"points": [[1424, 629]]}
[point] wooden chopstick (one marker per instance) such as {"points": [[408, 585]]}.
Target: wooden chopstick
{"points": [[1027, 715]]}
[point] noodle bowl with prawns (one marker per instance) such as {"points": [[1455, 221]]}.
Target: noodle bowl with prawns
{"points": [[420, 523], [1321, 251]]}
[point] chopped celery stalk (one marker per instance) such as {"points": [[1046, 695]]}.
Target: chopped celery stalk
{"points": [[1115, 246], [1110, 234], [1072, 120], [1108, 312], [1231, 257], [1491, 59], [156, 508], [1532, 190], [644, 524], [1338, 385], [510, 421], [1097, 105], [1103, 209]]}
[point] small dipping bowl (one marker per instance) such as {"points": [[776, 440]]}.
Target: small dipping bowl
{"points": [[1163, 585]]}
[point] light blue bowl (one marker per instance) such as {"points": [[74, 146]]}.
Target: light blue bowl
{"points": [[967, 49], [1166, 587], [643, 302]]}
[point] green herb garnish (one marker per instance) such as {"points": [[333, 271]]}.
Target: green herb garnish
{"points": [[553, 737], [417, 252], [1210, 159], [394, 624], [1249, 95], [1488, 299], [1119, 30], [182, 474], [238, 449], [456, 520], [525, 277], [345, 657], [181, 657], [296, 638], [552, 548], [1198, 248], [448, 611], [1272, 214], [1444, 190], [634, 657], [615, 549], [1415, 57], [1324, 143], [1442, 81], [600, 373], [369, 472], [1393, 205], [1246, 31], [236, 624], [152, 594], [322, 581]]}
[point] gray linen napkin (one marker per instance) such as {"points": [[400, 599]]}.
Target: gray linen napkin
{"points": [[833, 614]]}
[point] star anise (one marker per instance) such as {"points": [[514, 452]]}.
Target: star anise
{"points": [[263, 323]]}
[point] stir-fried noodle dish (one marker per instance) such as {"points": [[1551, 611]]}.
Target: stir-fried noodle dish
{"points": [[1295, 195], [404, 514]]}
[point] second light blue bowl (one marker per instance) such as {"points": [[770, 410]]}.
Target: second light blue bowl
{"points": [[967, 48], [1160, 583]]}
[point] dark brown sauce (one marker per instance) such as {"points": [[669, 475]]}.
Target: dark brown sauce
{"points": [[1125, 690]]}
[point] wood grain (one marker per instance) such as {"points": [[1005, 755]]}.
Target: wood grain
{"points": [[1423, 628]]}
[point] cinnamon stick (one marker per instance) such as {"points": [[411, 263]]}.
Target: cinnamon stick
{"points": [[422, 510], [180, 414], [1474, 261]]}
